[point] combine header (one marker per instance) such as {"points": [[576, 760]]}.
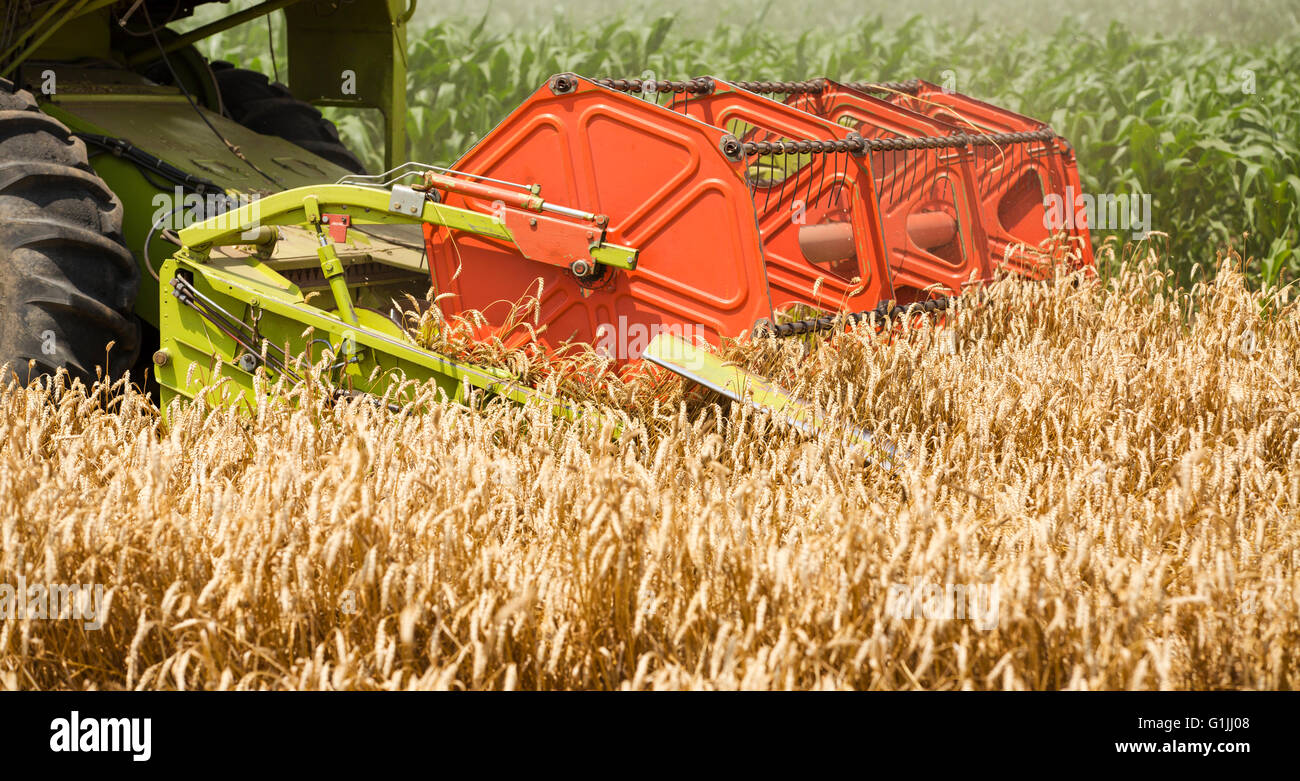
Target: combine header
{"points": [[742, 208], [716, 213]]}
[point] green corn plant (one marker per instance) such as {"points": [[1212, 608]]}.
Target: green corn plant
{"points": [[1207, 128]]}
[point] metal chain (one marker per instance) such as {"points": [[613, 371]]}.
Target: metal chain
{"points": [[854, 144], [816, 86], [812, 86], [857, 144], [705, 86], [701, 86], [909, 87]]}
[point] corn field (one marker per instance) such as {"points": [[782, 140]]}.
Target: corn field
{"points": [[1115, 459], [1206, 120]]}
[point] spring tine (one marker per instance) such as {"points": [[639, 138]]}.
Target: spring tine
{"points": [[785, 177], [837, 183], [855, 167], [897, 174], [771, 184], [849, 169], [920, 159], [924, 162], [942, 172], [827, 165], [886, 158], [935, 176], [767, 190], [937, 166], [900, 173], [816, 171], [950, 178], [1022, 159], [816, 179], [896, 171], [803, 178], [883, 157], [926, 170], [904, 169], [1018, 157], [1026, 155], [992, 168], [830, 176], [908, 176], [772, 159], [827, 193], [1013, 164], [843, 170], [1017, 152], [1008, 161], [951, 190], [912, 171], [808, 173], [999, 173]]}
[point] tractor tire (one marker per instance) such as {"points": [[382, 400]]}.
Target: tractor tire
{"points": [[67, 280], [267, 107]]}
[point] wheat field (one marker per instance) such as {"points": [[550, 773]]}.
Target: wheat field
{"points": [[1118, 459]]}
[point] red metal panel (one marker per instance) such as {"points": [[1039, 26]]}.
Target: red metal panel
{"points": [[912, 184], [1013, 180], [829, 188], [668, 190], [728, 233]]}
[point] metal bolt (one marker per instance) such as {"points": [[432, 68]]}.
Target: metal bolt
{"points": [[564, 83], [581, 268], [532, 222], [731, 147], [161, 358]]}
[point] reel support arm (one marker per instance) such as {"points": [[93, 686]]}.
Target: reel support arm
{"points": [[555, 240]]}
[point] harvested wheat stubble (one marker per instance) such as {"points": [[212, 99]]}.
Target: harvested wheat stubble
{"points": [[1115, 457]]}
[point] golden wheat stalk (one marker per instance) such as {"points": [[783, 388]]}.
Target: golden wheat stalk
{"points": [[1118, 461]]}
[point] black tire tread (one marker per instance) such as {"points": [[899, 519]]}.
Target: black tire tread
{"points": [[64, 266], [268, 107]]}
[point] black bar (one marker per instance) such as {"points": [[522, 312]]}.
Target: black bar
{"points": [[810, 734]]}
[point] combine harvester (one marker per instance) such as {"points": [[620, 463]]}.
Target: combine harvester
{"points": [[688, 211]]}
